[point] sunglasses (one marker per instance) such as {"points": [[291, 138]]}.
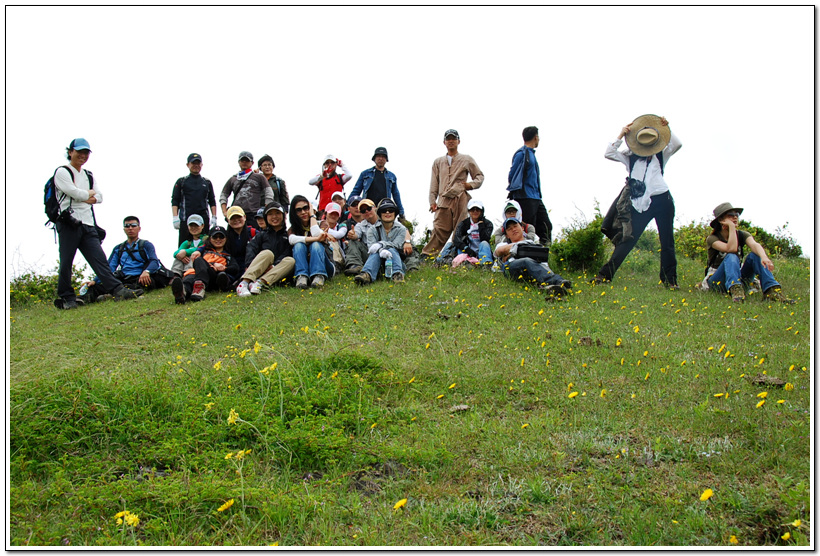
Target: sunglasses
{"points": [[391, 211], [217, 237], [302, 208], [366, 208], [130, 225]]}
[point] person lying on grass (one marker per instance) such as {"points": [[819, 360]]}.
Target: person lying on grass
{"points": [[269, 255], [213, 268], [526, 268], [727, 270]]}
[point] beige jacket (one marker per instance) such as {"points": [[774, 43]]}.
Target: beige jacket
{"points": [[447, 182]]}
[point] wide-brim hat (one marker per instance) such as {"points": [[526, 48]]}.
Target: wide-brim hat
{"points": [[722, 209], [647, 136]]}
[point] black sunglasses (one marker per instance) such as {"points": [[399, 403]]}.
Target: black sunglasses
{"points": [[302, 208], [218, 236], [130, 225], [367, 208], [391, 211]]}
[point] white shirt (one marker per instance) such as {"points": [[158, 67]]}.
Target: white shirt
{"points": [[655, 184], [76, 191]]}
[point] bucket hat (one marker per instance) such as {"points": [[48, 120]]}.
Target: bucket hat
{"points": [[722, 209]]}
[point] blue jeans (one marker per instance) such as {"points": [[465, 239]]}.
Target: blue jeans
{"points": [[311, 261], [730, 273], [527, 268], [485, 253], [374, 262]]}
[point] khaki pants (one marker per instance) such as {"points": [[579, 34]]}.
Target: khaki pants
{"points": [[445, 221], [261, 268]]}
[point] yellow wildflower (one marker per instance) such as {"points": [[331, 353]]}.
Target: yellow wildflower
{"points": [[796, 523], [525, 425], [786, 536], [707, 494], [603, 393], [762, 394], [225, 506], [400, 504], [453, 385], [573, 394], [761, 402], [256, 347], [439, 396], [733, 539], [788, 386], [412, 380], [232, 417], [218, 365]]}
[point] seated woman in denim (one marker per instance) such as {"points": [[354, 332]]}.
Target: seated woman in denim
{"points": [[728, 271], [310, 245], [386, 239]]}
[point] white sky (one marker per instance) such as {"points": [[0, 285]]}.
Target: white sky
{"points": [[147, 86]]}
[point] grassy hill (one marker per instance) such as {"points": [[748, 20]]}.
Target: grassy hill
{"points": [[458, 408]]}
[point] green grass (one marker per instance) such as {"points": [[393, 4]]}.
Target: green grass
{"points": [[347, 405]]}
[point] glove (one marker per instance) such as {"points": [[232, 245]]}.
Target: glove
{"points": [[175, 221], [375, 248], [385, 254]]}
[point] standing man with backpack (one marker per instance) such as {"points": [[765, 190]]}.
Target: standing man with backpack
{"points": [[277, 184], [525, 186], [77, 194], [646, 195], [192, 194], [251, 191]]}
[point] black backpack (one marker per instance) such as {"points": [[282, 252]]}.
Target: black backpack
{"points": [[52, 202]]}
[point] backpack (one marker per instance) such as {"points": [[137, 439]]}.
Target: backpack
{"points": [[52, 203], [140, 247]]}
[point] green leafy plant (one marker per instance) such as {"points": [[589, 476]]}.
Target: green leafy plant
{"points": [[780, 243], [690, 240], [31, 287], [580, 246]]}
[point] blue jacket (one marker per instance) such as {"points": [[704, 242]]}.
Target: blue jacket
{"points": [[366, 180], [531, 181], [128, 258]]}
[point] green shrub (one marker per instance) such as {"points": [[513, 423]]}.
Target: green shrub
{"points": [[779, 243], [31, 286], [690, 240], [649, 241], [580, 246]]}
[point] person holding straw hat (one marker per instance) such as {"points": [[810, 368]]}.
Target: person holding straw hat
{"points": [[645, 197]]}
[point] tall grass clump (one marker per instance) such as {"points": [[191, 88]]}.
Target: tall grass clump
{"points": [[580, 246]]}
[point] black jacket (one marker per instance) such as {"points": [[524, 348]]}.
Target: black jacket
{"points": [[276, 242], [461, 237]]}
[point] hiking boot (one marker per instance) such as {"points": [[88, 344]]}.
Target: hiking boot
{"points": [[256, 287], [104, 297], [178, 290], [302, 282], [737, 294], [223, 282], [362, 278], [318, 281], [754, 287], [352, 270], [774, 294], [398, 277], [554, 292], [125, 293], [65, 305], [243, 289], [198, 293], [599, 280]]}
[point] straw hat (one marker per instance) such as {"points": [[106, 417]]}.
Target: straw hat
{"points": [[647, 136]]}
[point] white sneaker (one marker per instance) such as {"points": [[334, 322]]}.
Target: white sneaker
{"points": [[256, 287], [242, 289]]}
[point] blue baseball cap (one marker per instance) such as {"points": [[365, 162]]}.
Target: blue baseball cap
{"points": [[79, 144], [508, 221]]}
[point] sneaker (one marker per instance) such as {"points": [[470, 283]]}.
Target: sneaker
{"points": [[223, 282], [64, 304], [554, 292], [737, 294], [398, 277], [125, 293], [178, 290], [302, 282], [362, 278], [242, 290], [104, 297], [255, 288], [352, 270], [198, 293], [318, 281], [774, 294]]}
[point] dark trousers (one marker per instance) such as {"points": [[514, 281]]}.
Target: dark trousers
{"points": [[84, 238], [662, 209], [534, 212], [204, 272], [185, 235], [157, 281]]}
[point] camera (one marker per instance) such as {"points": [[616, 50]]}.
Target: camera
{"points": [[66, 217], [637, 188]]}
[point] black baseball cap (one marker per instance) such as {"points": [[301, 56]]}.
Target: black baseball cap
{"points": [[194, 156]]}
